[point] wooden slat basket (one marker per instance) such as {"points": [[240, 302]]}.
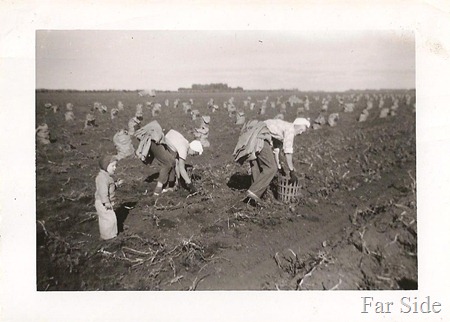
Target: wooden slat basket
{"points": [[288, 192]]}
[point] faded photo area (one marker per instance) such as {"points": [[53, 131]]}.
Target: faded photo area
{"points": [[225, 160]]}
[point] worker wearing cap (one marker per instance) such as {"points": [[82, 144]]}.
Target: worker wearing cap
{"points": [[180, 146], [267, 160]]}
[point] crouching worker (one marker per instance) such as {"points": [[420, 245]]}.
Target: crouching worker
{"points": [[104, 197], [180, 148], [259, 143], [152, 146]]}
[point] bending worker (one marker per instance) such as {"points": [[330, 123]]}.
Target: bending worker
{"points": [[260, 143], [180, 148], [152, 146]]}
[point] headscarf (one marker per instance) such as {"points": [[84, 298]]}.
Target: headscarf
{"points": [[105, 161]]}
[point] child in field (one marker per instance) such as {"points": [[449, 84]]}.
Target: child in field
{"points": [[104, 197]]}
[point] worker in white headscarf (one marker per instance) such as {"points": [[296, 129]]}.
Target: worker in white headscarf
{"points": [[260, 145]]}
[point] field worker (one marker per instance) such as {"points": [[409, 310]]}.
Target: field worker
{"points": [[97, 106], [300, 111], [384, 112], [332, 119], [187, 108], [231, 110], [156, 109], [195, 114], [363, 116], [69, 116], [240, 118], [349, 107], [259, 144], [319, 122], [134, 123], [90, 121], [104, 197], [202, 132], [181, 148], [114, 113], [43, 134], [152, 146], [175, 103], [215, 108], [210, 103]]}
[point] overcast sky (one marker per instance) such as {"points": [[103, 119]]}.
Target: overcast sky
{"points": [[167, 60]]}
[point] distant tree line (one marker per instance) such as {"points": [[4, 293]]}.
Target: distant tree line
{"points": [[45, 90], [217, 87]]}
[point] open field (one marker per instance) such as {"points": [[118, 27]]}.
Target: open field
{"points": [[354, 226]]}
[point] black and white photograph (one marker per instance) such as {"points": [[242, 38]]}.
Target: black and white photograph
{"points": [[225, 160], [256, 162]]}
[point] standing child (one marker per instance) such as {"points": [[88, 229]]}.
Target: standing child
{"points": [[104, 197]]}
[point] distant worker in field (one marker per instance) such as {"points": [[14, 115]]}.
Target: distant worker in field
{"points": [[156, 109], [279, 116], [363, 116], [179, 147], [231, 110], [43, 134], [215, 108], [260, 143], [105, 196], [176, 103], [319, 122], [195, 114], [332, 119], [210, 103], [69, 116], [240, 118], [187, 108], [134, 123], [202, 132], [90, 121], [114, 113]]}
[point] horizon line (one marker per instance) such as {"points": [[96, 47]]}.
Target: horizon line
{"points": [[230, 90]]}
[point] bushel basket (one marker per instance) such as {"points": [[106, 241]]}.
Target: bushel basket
{"points": [[288, 192]]}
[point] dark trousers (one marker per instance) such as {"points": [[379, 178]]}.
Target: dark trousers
{"points": [[166, 159], [264, 169]]}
